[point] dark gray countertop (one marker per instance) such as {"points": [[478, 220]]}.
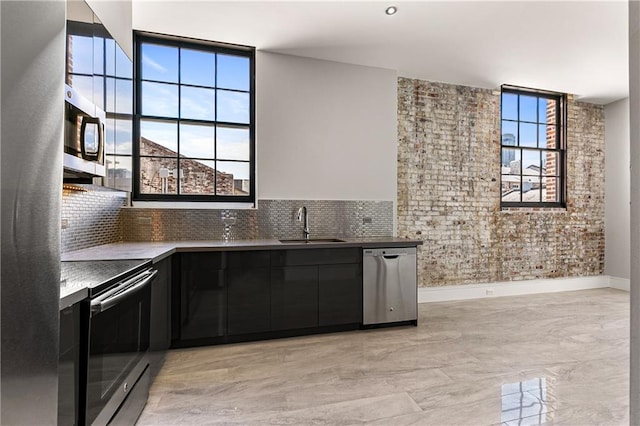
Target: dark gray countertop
{"points": [[78, 278], [156, 251]]}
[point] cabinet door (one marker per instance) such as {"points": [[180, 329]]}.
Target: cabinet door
{"points": [[69, 365], [294, 297], [249, 300], [160, 333], [203, 296], [339, 294]]}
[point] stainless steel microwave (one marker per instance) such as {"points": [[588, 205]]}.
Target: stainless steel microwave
{"points": [[83, 137]]}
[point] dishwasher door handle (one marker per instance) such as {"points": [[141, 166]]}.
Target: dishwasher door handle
{"points": [[392, 256]]}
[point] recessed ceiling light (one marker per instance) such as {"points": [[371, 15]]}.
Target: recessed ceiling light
{"points": [[391, 10]]}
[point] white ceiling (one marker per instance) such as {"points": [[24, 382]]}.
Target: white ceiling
{"points": [[578, 47]]}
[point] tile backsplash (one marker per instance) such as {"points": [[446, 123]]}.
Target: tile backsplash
{"points": [[90, 216], [151, 224], [272, 219], [276, 218], [97, 217]]}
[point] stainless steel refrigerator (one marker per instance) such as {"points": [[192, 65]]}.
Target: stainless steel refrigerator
{"points": [[32, 43]]}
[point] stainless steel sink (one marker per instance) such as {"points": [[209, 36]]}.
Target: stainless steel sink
{"points": [[312, 241]]}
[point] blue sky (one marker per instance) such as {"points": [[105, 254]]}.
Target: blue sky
{"points": [[89, 56], [160, 63], [531, 130], [159, 99], [533, 119]]}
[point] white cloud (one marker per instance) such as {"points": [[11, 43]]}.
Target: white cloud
{"points": [[233, 107], [146, 60], [159, 99]]}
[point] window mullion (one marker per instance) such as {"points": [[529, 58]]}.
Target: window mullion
{"points": [[178, 181], [540, 171], [215, 128], [520, 146]]}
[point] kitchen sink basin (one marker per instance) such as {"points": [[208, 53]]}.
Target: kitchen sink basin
{"points": [[312, 241]]}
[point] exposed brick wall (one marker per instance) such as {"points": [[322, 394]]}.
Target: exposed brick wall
{"points": [[449, 191], [552, 170]]}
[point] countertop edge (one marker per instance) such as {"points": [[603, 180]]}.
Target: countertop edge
{"points": [[163, 255], [157, 252], [73, 297], [296, 246]]}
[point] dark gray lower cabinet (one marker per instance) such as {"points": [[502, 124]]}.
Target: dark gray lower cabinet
{"points": [[160, 333], [232, 296], [248, 294], [294, 297], [160, 316], [69, 366], [339, 294], [203, 296]]}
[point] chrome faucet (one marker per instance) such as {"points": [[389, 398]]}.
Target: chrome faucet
{"points": [[303, 217]]}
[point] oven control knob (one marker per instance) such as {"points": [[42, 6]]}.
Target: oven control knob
{"points": [[125, 387]]}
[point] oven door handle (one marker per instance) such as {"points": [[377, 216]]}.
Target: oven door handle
{"points": [[134, 285]]}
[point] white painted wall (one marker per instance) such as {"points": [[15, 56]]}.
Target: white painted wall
{"points": [[116, 16], [617, 180], [325, 130]]}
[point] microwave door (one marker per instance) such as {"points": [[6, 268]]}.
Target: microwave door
{"points": [[91, 138], [72, 128], [84, 138]]}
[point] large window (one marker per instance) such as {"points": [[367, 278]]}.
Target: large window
{"points": [[533, 151], [194, 121]]}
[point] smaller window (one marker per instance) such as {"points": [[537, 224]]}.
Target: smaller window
{"points": [[533, 148]]}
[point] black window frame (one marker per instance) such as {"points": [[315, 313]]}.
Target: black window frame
{"points": [[214, 47], [560, 146]]}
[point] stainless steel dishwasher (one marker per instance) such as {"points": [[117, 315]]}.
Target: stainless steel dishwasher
{"points": [[390, 292]]}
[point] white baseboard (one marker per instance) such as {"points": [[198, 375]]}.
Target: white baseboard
{"points": [[515, 288], [620, 283]]}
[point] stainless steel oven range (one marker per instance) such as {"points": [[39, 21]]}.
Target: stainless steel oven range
{"points": [[114, 372]]}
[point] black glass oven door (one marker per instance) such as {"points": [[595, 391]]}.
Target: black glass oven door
{"points": [[119, 339]]}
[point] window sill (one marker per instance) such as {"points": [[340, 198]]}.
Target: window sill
{"points": [[552, 210], [192, 205]]}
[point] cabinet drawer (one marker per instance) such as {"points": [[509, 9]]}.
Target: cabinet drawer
{"points": [[323, 256], [203, 261], [248, 259]]}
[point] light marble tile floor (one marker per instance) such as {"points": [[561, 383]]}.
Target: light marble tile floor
{"points": [[557, 359]]}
